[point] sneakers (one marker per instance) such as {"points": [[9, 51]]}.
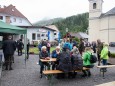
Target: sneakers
{"points": [[6, 68]]}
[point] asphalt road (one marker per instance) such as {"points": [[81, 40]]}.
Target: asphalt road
{"points": [[29, 75]]}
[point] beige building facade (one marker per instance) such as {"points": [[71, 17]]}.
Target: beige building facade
{"points": [[101, 25]]}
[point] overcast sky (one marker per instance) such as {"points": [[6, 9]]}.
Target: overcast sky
{"points": [[36, 10]]}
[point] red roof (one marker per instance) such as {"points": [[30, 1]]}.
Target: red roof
{"points": [[11, 10]]}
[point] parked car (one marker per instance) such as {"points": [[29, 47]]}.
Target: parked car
{"points": [[112, 44]]}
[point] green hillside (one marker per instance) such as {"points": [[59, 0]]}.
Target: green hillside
{"points": [[74, 23]]}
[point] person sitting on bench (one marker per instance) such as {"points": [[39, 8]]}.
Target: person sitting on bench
{"points": [[86, 62], [77, 62], [43, 55], [55, 54]]}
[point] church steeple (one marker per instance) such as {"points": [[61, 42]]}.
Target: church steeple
{"points": [[95, 8]]}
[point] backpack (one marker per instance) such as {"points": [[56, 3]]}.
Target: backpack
{"points": [[77, 62], [65, 63], [93, 59]]}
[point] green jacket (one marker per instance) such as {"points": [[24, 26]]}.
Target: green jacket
{"points": [[104, 53], [86, 58]]}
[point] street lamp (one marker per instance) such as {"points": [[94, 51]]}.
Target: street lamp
{"points": [[66, 32]]}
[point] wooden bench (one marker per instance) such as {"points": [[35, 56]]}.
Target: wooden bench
{"points": [[51, 72], [104, 66], [46, 72]]}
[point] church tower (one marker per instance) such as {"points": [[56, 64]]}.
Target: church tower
{"points": [[95, 11], [95, 8]]}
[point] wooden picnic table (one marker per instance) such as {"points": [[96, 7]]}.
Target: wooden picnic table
{"points": [[49, 60]]}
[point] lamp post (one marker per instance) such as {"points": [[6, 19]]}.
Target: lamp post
{"points": [[66, 32]]}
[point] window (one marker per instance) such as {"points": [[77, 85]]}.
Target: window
{"points": [[14, 20], [54, 33], [42, 35], [20, 20], [94, 5], [8, 20], [33, 36], [1, 17], [38, 36]]}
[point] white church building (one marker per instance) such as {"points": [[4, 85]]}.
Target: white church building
{"points": [[101, 25]]}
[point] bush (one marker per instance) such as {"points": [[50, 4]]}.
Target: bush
{"points": [[77, 40], [54, 43], [35, 43], [112, 55]]}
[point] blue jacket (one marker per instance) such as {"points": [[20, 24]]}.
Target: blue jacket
{"points": [[68, 45], [54, 54]]}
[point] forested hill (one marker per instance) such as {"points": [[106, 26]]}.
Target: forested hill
{"points": [[74, 23], [47, 22]]}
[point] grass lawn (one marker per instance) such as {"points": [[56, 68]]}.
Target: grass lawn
{"points": [[35, 50]]}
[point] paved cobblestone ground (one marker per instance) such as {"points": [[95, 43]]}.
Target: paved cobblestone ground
{"points": [[29, 75]]}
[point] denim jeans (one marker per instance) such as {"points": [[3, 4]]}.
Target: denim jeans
{"points": [[104, 61]]}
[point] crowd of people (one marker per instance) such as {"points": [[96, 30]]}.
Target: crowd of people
{"points": [[73, 56], [70, 56]]}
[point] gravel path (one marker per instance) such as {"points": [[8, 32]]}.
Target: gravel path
{"points": [[29, 75]]}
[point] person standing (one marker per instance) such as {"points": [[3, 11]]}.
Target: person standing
{"points": [[28, 46], [40, 46], [104, 55], [99, 48], [94, 46], [9, 47], [68, 45], [20, 46], [44, 43], [48, 47], [81, 46]]}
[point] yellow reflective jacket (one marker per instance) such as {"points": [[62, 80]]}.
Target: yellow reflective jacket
{"points": [[104, 53]]}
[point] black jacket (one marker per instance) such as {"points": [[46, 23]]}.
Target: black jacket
{"points": [[64, 60], [9, 46], [43, 55], [20, 45]]}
